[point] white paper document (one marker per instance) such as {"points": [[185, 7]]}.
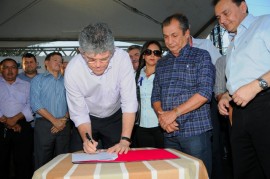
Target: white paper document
{"points": [[101, 156]]}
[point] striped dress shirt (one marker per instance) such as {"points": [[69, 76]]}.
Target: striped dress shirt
{"points": [[48, 93]]}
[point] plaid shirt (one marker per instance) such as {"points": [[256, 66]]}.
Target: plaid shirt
{"points": [[178, 79]]}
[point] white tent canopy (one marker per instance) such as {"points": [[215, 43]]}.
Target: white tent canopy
{"points": [[28, 22]]}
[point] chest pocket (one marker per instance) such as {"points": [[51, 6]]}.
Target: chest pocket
{"points": [[190, 75]]}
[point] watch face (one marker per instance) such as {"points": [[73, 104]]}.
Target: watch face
{"points": [[263, 84]]}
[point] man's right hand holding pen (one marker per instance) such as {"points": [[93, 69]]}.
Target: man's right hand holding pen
{"points": [[89, 145]]}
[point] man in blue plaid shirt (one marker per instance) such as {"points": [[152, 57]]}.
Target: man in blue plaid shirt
{"points": [[182, 91]]}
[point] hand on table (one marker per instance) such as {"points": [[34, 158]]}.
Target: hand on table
{"points": [[121, 147]]}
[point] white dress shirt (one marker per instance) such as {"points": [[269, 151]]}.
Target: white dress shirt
{"points": [[100, 96], [248, 55]]}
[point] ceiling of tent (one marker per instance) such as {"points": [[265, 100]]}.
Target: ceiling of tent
{"points": [[27, 22]]}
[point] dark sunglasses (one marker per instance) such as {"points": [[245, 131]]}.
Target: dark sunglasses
{"points": [[148, 52]]}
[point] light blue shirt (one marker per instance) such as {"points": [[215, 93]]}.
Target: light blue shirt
{"points": [[103, 95], [48, 93], [148, 116], [14, 98], [248, 55], [24, 77], [207, 45]]}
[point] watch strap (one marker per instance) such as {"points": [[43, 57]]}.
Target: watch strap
{"points": [[126, 138]]}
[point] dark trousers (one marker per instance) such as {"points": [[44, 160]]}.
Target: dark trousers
{"points": [[107, 131], [19, 145], [150, 137], [48, 145], [217, 168], [76, 143], [250, 139]]}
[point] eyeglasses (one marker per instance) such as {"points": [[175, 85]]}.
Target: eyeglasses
{"points": [[149, 52], [92, 60]]}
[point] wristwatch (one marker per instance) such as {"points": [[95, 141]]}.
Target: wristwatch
{"points": [[263, 84], [126, 138]]}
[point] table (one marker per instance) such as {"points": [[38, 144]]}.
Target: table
{"points": [[186, 167]]}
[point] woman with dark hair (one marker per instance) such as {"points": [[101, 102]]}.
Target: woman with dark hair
{"points": [[149, 133]]}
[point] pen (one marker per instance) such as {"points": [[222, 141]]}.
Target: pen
{"points": [[89, 138]]}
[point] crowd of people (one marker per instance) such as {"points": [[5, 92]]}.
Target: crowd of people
{"points": [[107, 98]]}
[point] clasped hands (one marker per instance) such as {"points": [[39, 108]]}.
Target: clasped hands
{"points": [[11, 123], [58, 125], [167, 120]]}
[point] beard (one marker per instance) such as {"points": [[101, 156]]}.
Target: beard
{"points": [[30, 71]]}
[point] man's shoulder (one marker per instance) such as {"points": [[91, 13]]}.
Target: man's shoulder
{"points": [[37, 77], [264, 22], [163, 60], [198, 51], [120, 59], [20, 74], [264, 17], [119, 54], [22, 82], [257, 21], [201, 42]]}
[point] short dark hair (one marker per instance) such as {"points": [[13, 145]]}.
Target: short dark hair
{"points": [[132, 47], [10, 60], [237, 2], [48, 57], [181, 18], [29, 55]]}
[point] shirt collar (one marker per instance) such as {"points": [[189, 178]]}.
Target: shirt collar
{"points": [[47, 73], [18, 80], [182, 51], [248, 20], [244, 25]]}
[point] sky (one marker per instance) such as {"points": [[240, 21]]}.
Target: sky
{"points": [[256, 7]]}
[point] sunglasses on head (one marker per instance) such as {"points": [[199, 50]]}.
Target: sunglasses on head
{"points": [[149, 52]]}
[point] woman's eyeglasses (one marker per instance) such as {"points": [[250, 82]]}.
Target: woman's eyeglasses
{"points": [[149, 52]]}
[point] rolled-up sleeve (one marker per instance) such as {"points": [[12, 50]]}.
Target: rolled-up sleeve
{"points": [[206, 76]]}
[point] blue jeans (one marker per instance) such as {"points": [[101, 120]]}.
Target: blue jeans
{"points": [[198, 146]]}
